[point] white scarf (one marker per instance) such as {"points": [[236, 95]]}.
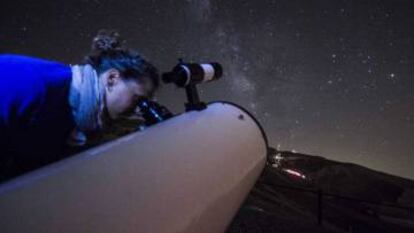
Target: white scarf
{"points": [[86, 96]]}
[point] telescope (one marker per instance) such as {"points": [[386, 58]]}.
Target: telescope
{"points": [[185, 173]]}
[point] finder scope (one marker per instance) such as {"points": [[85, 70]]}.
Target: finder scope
{"points": [[185, 74]]}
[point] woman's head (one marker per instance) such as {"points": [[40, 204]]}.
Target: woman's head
{"points": [[125, 74]]}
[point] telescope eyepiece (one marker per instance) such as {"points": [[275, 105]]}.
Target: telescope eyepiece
{"points": [[153, 112]]}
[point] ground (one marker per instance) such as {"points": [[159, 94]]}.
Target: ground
{"points": [[284, 202]]}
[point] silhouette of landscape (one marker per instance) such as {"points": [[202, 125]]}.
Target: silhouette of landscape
{"points": [[352, 198]]}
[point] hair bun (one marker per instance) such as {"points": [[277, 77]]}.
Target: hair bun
{"points": [[106, 41]]}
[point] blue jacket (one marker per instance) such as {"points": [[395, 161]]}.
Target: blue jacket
{"points": [[35, 116]]}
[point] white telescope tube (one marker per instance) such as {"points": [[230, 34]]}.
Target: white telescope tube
{"points": [[190, 173]]}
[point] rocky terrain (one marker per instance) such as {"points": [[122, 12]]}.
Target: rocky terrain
{"points": [[303, 193]]}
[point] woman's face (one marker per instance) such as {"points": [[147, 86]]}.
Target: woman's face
{"points": [[122, 94]]}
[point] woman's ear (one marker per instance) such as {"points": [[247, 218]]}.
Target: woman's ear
{"points": [[112, 77]]}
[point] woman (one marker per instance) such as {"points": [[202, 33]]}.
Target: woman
{"points": [[46, 106]]}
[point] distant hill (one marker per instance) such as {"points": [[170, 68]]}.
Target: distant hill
{"points": [[285, 198]]}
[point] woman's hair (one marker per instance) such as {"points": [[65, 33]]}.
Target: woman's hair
{"points": [[109, 52]]}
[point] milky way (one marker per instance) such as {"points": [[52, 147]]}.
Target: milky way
{"points": [[333, 78]]}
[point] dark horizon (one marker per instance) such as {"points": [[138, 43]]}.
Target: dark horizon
{"points": [[331, 78]]}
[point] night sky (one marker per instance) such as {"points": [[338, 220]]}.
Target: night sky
{"points": [[332, 78]]}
